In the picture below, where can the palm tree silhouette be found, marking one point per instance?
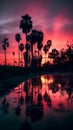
(4, 46)
(32, 38)
(28, 47)
(35, 37)
(39, 41)
(54, 55)
(49, 43)
(26, 25)
(18, 38)
(5, 105)
(47, 47)
(21, 47)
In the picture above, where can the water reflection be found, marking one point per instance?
(5, 105)
(37, 98)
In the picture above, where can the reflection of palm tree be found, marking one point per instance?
(45, 94)
(18, 38)
(18, 110)
(26, 126)
(5, 105)
(26, 89)
(39, 97)
(36, 112)
(21, 47)
(21, 99)
(47, 97)
(5, 45)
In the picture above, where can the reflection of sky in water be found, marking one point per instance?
(56, 102)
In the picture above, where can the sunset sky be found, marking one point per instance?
(53, 17)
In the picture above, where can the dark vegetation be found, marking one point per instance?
(12, 71)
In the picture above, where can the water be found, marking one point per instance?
(39, 103)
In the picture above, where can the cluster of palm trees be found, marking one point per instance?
(5, 45)
(34, 37)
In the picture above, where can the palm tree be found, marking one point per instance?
(54, 55)
(21, 47)
(18, 38)
(4, 46)
(35, 37)
(26, 24)
(32, 39)
(47, 47)
(28, 47)
(49, 43)
(39, 46)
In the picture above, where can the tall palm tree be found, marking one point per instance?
(32, 38)
(18, 38)
(26, 24)
(28, 47)
(39, 41)
(35, 37)
(21, 47)
(47, 47)
(4, 46)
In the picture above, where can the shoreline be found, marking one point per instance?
(7, 84)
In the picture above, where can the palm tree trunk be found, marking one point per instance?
(45, 58)
(26, 38)
(21, 59)
(38, 53)
(38, 57)
(27, 51)
(32, 51)
(18, 55)
(5, 58)
(13, 61)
